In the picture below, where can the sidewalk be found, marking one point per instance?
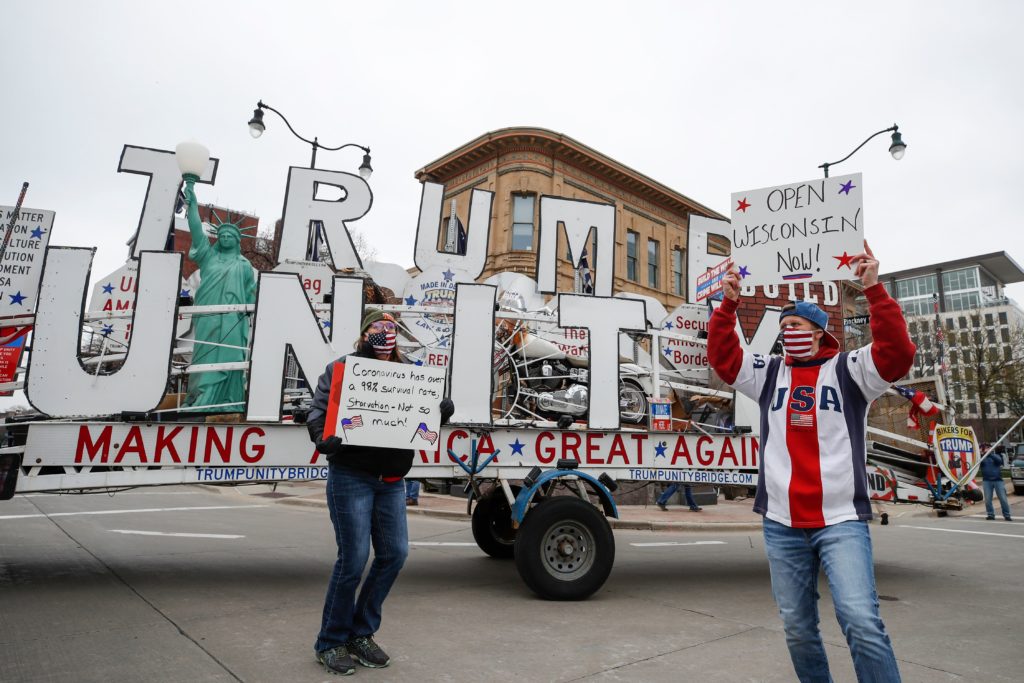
(727, 515)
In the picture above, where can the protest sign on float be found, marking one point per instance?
(383, 404)
(22, 262)
(710, 283)
(803, 232)
(957, 453)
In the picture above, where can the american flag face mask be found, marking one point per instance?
(384, 342)
(798, 343)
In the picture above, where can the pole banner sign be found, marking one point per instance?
(710, 283)
(383, 404)
(22, 262)
(803, 232)
(12, 343)
(661, 415)
(956, 452)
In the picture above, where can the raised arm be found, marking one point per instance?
(200, 242)
(724, 352)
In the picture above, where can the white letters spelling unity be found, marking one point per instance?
(58, 385)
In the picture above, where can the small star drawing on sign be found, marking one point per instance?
(443, 342)
(410, 300)
(37, 234)
(744, 272)
(659, 450)
(183, 294)
(107, 330)
(108, 288)
(326, 323)
(448, 275)
(17, 298)
(846, 187)
(419, 362)
(667, 352)
(844, 260)
(743, 205)
(517, 448)
(668, 326)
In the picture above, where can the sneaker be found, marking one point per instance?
(368, 653)
(411, 502)
(991, 517)
(696, 508)
(337, 660)
(1008, 519)
(663, 507)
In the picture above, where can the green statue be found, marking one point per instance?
(226, 277)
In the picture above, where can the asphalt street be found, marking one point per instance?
(183, 584)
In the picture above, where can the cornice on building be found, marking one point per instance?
(564, 149)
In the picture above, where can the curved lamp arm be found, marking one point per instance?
(893, 129)
(315, 143)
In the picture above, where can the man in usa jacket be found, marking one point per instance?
(812, 484)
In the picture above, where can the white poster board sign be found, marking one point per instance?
(22, 263)
(687, 356)
(803, 232)
(383, 404)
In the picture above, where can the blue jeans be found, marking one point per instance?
(412, 489)
(363, 509)
(844, 550)
(1000, 489)
(670, 491)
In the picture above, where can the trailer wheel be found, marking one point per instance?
(492, 525)
(564, 549)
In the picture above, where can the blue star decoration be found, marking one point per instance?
(517, 448)
(419, 362)
(108, 288)
(17, 298)
(37, 234)
(107, 330)
(326, 324)
(410, 300)
(846, 187)
(448, 275)
(667, 351)
(443, 342)
(184, 294)
(659, 450)
(668, 326)
(744, 272)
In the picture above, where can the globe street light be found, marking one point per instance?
(257, 126)
(897, 148)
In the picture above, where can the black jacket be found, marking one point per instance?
(383, 462)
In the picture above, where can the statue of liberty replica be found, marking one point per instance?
(226, 277)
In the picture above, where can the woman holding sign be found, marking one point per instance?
(366, 500)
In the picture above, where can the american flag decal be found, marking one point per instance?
(425, 433)
(351, 423)
(801, 419)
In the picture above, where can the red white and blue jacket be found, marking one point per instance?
(814, 414)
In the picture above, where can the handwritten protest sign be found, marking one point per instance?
(804, 232)
(383, 404)
(710, 283)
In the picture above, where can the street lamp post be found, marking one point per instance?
(256, 128)
(897, 148)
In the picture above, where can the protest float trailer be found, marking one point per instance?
(558, 396)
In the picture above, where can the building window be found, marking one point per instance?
(631, 247)
(963, 323)
(989, 320)
(653, 260)
(677, 271)
(972, 407)
(991, 336)
(1002, 318)
(522, 222)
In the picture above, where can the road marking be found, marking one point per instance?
(661, 544)
(110, 495)
(177, 534)
(127, 512)
(962, 531)
(451, 543)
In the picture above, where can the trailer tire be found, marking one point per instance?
(564, 549)
(492, 525)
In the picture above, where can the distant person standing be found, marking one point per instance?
(992, 480)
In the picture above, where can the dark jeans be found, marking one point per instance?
(672, 488)
(844, 551)
(412, 489)
(363, 509)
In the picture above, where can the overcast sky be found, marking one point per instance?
(707, 98)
